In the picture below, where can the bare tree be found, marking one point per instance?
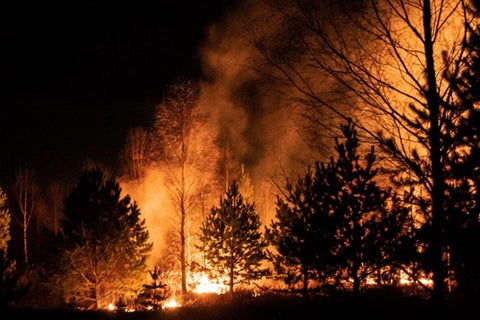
(187, 154)
(386, 61)
(26, 191)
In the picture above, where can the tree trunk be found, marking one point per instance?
(356, 284)
(182, 249)
(231, 281)
(183, 237)
(305, 283)
(97, 296)
(25, 246)
(439, 274)
(183, 218)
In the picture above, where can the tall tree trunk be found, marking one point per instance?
(439, 274)
(356, 283)
(25, 245)
(227, 166)
(231, 280)
(97, 296)
(183, 218)
(305, 282)
(182, 249)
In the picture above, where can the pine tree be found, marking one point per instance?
(106, 242)
(356, 209)
(302, 232)
(463, 179)
(336, 222)
(232, 241)
(380, 64)
(155, 292)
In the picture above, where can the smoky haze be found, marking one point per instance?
(247, 106)
(257, 119)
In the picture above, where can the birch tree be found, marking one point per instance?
(187, 155)
(26, 191)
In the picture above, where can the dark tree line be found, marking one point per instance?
(406, 72)
(335, 224)
(339, 224)
(463, 175)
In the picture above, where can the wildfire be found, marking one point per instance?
(405, 279)
(205, 285)
(172, 303)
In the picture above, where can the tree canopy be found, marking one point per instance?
(106, 241)
(232, 241)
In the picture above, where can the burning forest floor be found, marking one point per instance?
(371, 308)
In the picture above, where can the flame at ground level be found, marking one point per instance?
(172, 303)
(205, 285)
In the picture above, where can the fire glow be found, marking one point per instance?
(205, 285)
(172, 303)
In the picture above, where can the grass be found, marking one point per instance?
(281, 310)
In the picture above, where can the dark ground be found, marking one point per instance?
(283, 311)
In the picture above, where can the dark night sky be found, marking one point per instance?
(74, 79)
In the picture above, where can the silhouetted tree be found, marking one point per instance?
(395, 241)
(302, 232)
(463, 179)
(385, 58)
(106, 241)
(155, 292)
(356, 210)
(336, 222)
(232, 241)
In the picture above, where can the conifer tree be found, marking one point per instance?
(336, 222)
(302, 234)
(380, 63)
(106, 241)
(154, 292)
(232, 241)
(463, 179)
(356, 208)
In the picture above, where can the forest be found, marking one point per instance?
(341, 166)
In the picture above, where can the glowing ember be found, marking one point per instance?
(205, 285)
(171, 304)
(405, 279)
(111, 307)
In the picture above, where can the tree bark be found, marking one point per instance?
(439, 273)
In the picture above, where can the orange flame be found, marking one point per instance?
(206, 285)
